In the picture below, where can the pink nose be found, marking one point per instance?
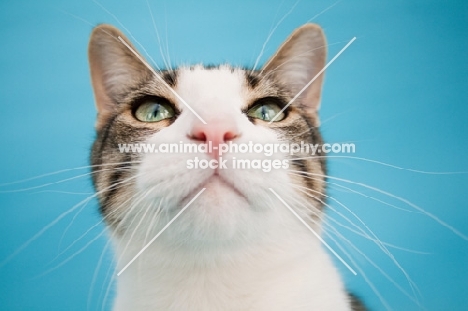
(217, 132)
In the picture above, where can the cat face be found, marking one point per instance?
(139, 192)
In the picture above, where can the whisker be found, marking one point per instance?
(361, 271)
(56, 220)
(271, 27)
(106, 216)
(109, 285)
(386, 164)
(377, 240)
(65, 171)
(47, 184)
(95, 274)
(365, 235)
(409, 203)
(69, 226)
(141, 218)
(166, 36)
(156, 214)
(157, 35)
(299, 188)
(168, 66)
(85, 246)
(323, 11)
(71, 257)
(369, 197)
(136, 228)
(353, 191)
(315, 233)
(337, 114)
(271, 34)
(76, 215)
(403, 291)
(115, 261)
(62, 192)
(38, 234)
(128, 32)
(359, 229)
(76, 240)
(350, 259)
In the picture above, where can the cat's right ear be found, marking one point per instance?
(299, 60)
(114, 69)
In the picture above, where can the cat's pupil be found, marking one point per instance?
(154, 113)
(265, 114)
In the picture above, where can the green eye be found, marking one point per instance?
(266, 111)
(154, 111)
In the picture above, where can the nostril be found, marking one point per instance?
(229, 136)
(198, 135)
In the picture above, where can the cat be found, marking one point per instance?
(236, 247)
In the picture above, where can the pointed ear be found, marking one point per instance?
(298, 61)
(114, 69)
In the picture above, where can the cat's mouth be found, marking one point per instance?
(216, 185)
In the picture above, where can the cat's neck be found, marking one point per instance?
(283, 273)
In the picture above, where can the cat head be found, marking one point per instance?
(140, 192)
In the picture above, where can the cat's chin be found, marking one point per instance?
(220, 214)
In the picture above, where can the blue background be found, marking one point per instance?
(399, 93)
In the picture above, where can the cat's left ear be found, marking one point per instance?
(298, 61)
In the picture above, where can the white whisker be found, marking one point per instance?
(409, 203)
(157, 36)
(72, 256)
(361, 271)
(77, 240)
(95, 274)
(56, 220)
(65, 171)
(403, 291)
(377, 240)
(126, 30)
(271, 34)
(323, 11)
(160, 232)
(315, 233)
(386, 164)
